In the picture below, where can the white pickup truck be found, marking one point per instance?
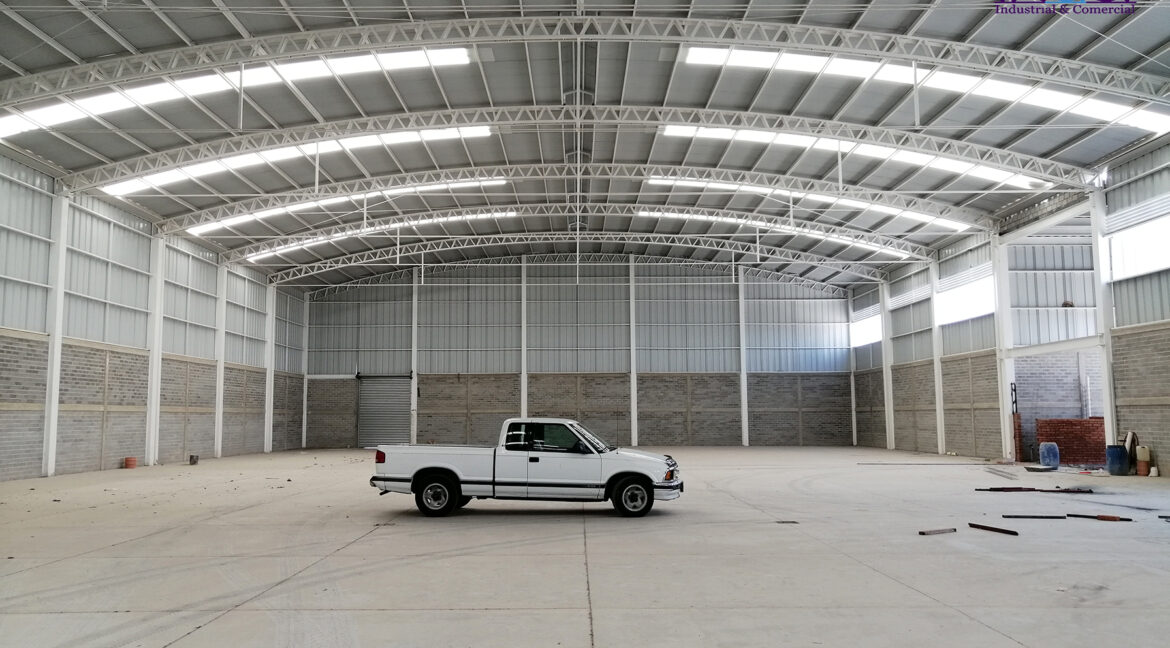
(537, 459)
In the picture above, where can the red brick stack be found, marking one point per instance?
(1081, 441)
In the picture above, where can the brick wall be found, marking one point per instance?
(333, 408)
(1141, 386)
(799, 409)
(688, 409)
(287, 402)
(971, 402)
(23, 362)
(601, 402)
(187, 417)
(914, 415)
(871, 408)
(243, 411)
(1056, 385)
(103, 408)
(465, 408)
(1081, 441)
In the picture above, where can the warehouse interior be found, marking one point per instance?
(235, 236)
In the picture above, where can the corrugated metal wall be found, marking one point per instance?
(578, 322)
(189, 297)
(1139, 190)
(107, 274)
(969, 335)
(1143, 299)
(246, 310)
(26, 206)
(1043, 278)
(1139, 180)
(290, 330)
(911, 331)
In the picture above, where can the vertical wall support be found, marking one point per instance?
(853, 392)
(936, 346)
(1004, 341)
(1102, 273)
(269, 363)
(743, 386)
(305, 376)
(220, 352)
(633, 354)
(523, 335)
(414, 278)
(154, 329)
(55, 322)
(887, 361)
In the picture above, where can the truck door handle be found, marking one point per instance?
(533, 459)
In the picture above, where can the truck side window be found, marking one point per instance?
(517, 437)
(554, 437)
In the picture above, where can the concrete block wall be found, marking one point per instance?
(243, 410)
(1056, 386)
(333, 412)
(914, 414)
(187, 417)
(799, 409)
(688, 409)
(1141, 387)
(23, 362)
(1081, 441)
(465, 408)
(871, 408)
(287, 410)
(102, 415)
(600, 401)
(971, 401)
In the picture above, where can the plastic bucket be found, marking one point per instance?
(1116, 460)
(130, 462)
(1049, 454)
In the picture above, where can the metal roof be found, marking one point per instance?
(327, 143)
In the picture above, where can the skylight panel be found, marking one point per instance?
(951, 81)
(789, 139)
(751, 59)
(1097, 109)
(127, 187)
(403, 60)
(276, 155)
(1154, 122)
(55, 114)
(856, 204)
(154, 93)
(761, 137)
(1050, 99)
(254, 77)
(706, 55)
(857, 68)
(318, 148)
(715, 133)
(673, 130)
(951, 166)
(303, 70)
(1002, 90)
(204, 168)
(965, 302)
(1140, 249)
(344, 65)
(433, 134)
(242, 161)
(801, 62)
(474, 131)
(830, 144)
(874, 151)
(201, 85)
(362, 141)
(897, 74)
(13, 124)
(449, 56)
(166, 177)
(988, 173)
(950, 224)
(104, 103)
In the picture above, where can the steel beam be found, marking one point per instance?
(55, 327)
(603, 171)
(269, 364)
(559, 117)
(1102, 273)
(887, 363)
(633, 306)
(220, 354)
(681, 31)
(1004, 341)
(402, 254)
(744, 432)
(154, 336)
(570, 210)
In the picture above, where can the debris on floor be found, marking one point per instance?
(1034, 517)
(991, 528)
(1029, 489)
(787, 522)
(937, 531)
(1103, 518)
(1040, 468)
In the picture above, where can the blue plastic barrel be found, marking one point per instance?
(1116, 460)
(1049, 454)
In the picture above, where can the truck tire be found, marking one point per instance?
(437, 495)
(633, 497)
(464, 501)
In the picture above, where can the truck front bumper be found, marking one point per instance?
(668, 490)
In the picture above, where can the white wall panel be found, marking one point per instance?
(969, 335)
(1143, 299)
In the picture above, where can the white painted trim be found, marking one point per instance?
(887, 362)
(269, 363)
(154, 341)
(743, 386)
(1105, 318)
(1075, 344)
(936, 345)
(220, 352)
(55, 324)
(305, 376)
(1004, 341)
(633, 354)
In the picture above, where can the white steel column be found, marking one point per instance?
(887, 361)
(154, 329)
(220, 352)
(1004, 340)
(524, 335)
(305, 376)
(633, 355)
(414, 355)
(55, 328)
(743, 387)
(1102, 274)
(269, 363)
(853, 392)
(936, 345)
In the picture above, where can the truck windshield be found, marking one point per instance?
(598, 445)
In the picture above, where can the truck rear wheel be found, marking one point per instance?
(436, 496)
(633, 497)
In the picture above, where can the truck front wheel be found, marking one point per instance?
(633, 497)
(436, 496)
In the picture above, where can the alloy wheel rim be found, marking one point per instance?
(634, 498)
(435, 496)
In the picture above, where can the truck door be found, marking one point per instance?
(561, 465)
(512, 462)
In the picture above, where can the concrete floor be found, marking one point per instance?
(295, 549)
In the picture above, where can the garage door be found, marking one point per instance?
(383, 411)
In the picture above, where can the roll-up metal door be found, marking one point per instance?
(383, 411)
